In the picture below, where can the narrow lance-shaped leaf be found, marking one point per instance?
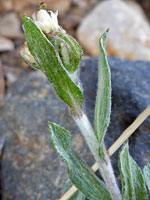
(146, 172)
(77, 195)
(103, 99)
(133, 186)
(81, 176)
(48, 60)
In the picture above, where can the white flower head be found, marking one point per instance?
(26, 55)
(46, 21)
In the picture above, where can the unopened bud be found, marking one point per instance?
(68, 48)
(27, 56)
(45, 21)
(56, 54)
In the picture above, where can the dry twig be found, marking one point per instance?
(2, 83)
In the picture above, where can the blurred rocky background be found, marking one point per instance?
(29, 166)
(86, 20)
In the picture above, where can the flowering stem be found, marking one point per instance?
(105, 166)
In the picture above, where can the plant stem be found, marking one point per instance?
(105, 166)
(108, 176)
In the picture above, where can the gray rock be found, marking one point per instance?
(129, 30)
(30, 169)
(130, 96)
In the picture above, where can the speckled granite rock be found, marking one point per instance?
(129, 30)
(30, 169)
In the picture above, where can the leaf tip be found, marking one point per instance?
(24, 17)
(102, 40)
(107, 30)
(25, 20)
(50, 124)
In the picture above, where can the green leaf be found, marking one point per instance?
(77, 195)
(103, 99)
(69, 50)
(133, 186)
(74, 51)
(47, 58)
(80, 175)
(146, 172)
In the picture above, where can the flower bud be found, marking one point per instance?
(68, 48)
(56, 54)
(27, 56)
(45, 21)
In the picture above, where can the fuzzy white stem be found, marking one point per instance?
(105, 166)
(87, 131)
(107, 173)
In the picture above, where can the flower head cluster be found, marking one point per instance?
(67, 47)
(50, 49)
(46, 21)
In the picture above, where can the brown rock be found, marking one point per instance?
(12, 74)
(129, 35)
(29, 6)
(10, 24)
(6, 44)
(14, 58)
